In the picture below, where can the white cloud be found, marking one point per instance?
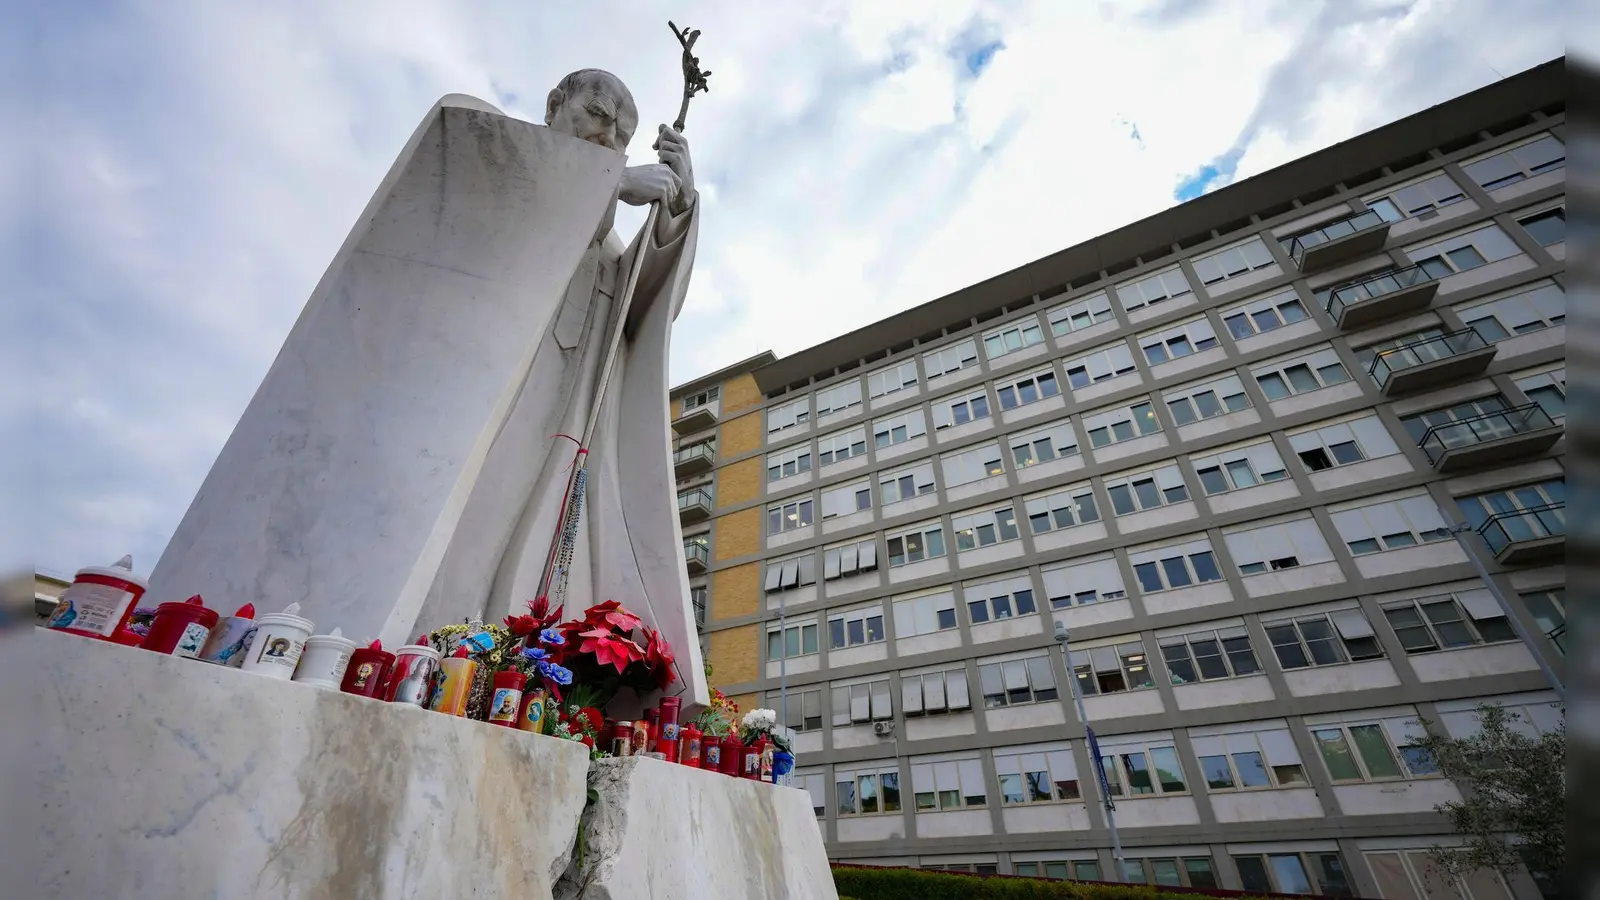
(204, 161)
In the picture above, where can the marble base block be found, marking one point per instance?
(169, 778)
(667, 832)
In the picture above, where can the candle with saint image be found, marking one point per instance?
(459, 670)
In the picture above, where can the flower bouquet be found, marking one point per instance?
(759, 723)
(608, 650)
(720, 718)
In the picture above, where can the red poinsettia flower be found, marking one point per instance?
(613, 614)
(521, 626)
(540, 608)
(659, 657)
(610, 649)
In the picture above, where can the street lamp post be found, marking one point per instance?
(1458, 532)
(1094, 754)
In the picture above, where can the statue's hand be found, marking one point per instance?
(674, 152)
(650, 184)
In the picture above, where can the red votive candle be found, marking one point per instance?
(367, 671)
(690, 753)
(652, 719)
(180, 629)
(507, 698)
(667, 741)
(732, 755)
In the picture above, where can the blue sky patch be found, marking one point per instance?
(1214, 174)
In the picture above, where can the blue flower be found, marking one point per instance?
(535, 654)
(559, 674)
(552, 636)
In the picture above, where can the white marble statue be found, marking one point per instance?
(401, 466)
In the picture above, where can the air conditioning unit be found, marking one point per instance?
(882, 729)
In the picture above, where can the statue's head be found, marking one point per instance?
(593, 105)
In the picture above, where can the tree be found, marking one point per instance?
(1513, 787)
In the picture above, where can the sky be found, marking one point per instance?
(191, 166)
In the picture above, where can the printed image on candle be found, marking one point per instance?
(277, 648)
(65, 614)
(505, 703)
(363, 675)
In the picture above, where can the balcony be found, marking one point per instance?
(696, 557)
(694, 460)
(1490, 438)
(1431, 362)
(694, 506)
(1527, 535)
(1339, 241)
(696, 419)
(1357, 304)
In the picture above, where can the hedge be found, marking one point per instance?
(873, 883)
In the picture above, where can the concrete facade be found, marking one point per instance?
(1210, 489)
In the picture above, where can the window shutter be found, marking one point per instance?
(841, 706)
(808, 570)
(1303, 442)
(1479, 604)
(774, 576)
(868, 555)
(1423, 513)
(1105, 659)
(1279, 747)
(1062, 765)
(922, 781)
(1007, 765)
(860, 711)
(905, 618)
(1352, 624)
(1351, 525)
(972, 777)
(1386, 518)
(1016, 675)
(1403, 730)
(847, 560)
(830, 564)
(881, 707)
(1373, 437)
(1168, 477)
(1033, 762)
(1210, 746)
(791, 574)
(1264, 458)
(947, 776)
(933, 691)
(1241, 743)
(911, 694)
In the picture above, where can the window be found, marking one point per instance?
(1039, 773)
(1190, 871)
(1242, 760)
(1448, 621)
(841, 445)
(1178, 566)
(1422, 199)
(1549, 609)
(959, 410)
(1192, 403)
(1108, 669)
(1119, 425)
(1463, 252)
(1099, 365)
(1531, 308)
(915, 544)
(1233, 262)
(1323, 639)
(903, 484)
(704, 398)
(1527, 510)
(1318, 872)
(789, 516)
(929, 692)
(789, 462)
(1240, 468)
(1407, 350)
(846, 499)
(815, 784)
(1282, 544)
(791, 641)
(802, 712)
(925, 613)
(1372, 750)
(791, 573)
(985, 528)
(1142, 768)
(1082, 869)
(1153, 289)
(1022, 390)
(1264, 315)
(971, 465)
(1083, 582)
(1194, 336)
(1012, 338)
(839, 398)
(856, 558)
(999, 598)
(1548, 227)
(697, 598)
(1391, 524)
(893, 430)
(789, 415)
(1301, 375)
(1146, 490)
(1068, 507)
(867, 789)
(1209, 655)
(940, 784)
(1013, 682)
(1485, 429)
(1080, 314)
(1342, 443)
(1543, 154)
(854, 704)
(951, 359)
(1549, 390)
(894, 378)
(1054, 441)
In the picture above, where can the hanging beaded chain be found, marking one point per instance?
(569, 537)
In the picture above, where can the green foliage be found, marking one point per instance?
(1513, 787)
(912, 884)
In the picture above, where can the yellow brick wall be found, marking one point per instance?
(734, 655)
(737, 534)
(740, 482)
(739, 436)
(735, 592)
(739, 393)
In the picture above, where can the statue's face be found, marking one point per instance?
(601, 112)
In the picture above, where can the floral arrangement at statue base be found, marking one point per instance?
(759, 728)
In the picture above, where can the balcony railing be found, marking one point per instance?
(1412, 365)
(694, 505)
(1457, 438)
(1303, 247)
(697, 418)
(1525, 534)
(694, 459)
(1350, 304)
(696, 556)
